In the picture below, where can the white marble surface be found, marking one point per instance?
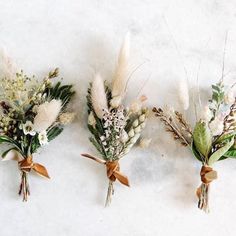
(81, 37)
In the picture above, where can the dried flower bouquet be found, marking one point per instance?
(213, 135)
(32, 113)
(114, 127)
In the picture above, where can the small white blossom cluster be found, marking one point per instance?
(216, 121)
(114, 124)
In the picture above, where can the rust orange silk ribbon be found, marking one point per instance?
(207, 176)
(113, 169)
(27, 165)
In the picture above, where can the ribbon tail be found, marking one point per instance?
(93, 158)
(41, 170)
(122, 178)
(198, 192)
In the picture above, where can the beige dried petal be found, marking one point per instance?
(66, 118)
(145, 142)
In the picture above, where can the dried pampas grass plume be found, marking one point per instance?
(47, 114)
(7, 68)
(183, 94)
(98, 96)
(121, 72)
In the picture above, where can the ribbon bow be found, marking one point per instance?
(113, 169)
(27, 165)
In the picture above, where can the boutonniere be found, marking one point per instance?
(212, 138)
(32, 113)
(115, 128)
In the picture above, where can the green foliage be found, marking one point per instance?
(217, 99)
(225, 137)
(202, 138)
(61, 92)
(197, 154)
(230, 154)
(220, 152)
(7, 151)
(12, 143)
(98, 146)
(54, 132)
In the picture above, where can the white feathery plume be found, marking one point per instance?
(121, 73)
(47, 114)
(98, 96)
(7, 68)
(184, 94)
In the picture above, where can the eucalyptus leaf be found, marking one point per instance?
(220, 152)
(202, 138)
(7, 151)
(225, 137)
(196, 153)
(230, 153)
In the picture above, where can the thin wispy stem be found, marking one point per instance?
(177, 48)
(224, 53)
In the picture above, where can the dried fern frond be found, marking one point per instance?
(171, 127)
(230, 121)
(184, 125)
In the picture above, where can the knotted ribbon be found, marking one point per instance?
(207, 176)
(113, 169)
(27, 164)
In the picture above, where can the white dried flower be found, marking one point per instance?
(184, 94)
(91, 119)
(28, 128)
(142, 125)
(42, 137)
(142, 118)
(98, 96)
(35, 108)
(135, 106)
(136, 123)
(229, 97)
(47, 114)
(121, 73)
(137, 129)
(131, 133)
(145, 142)
(115, 101)
(124, 137)
(216, 126)
(135, 138)
(206, 114)
(66, 118)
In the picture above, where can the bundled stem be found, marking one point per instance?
(24, 186)
(110, 192)
(203, 195)
(207, 176)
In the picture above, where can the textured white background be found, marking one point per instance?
(81, 37)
